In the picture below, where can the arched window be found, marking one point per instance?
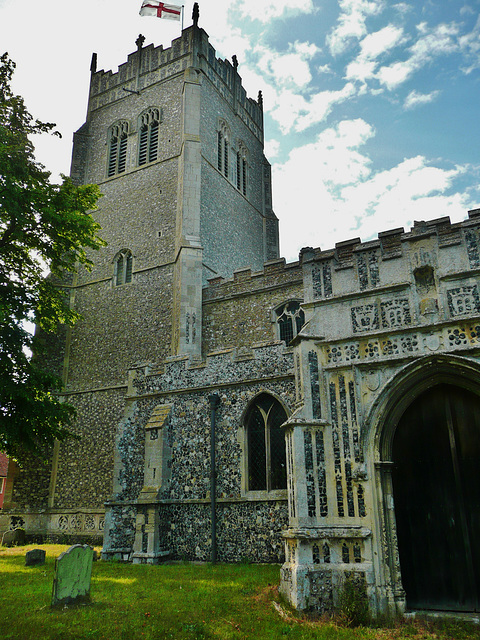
(266, 460)
(290, 319)
(148, 136)
(223, 149)
(242, 169)
(123, 267)
(117, 148)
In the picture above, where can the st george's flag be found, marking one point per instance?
(160, 10)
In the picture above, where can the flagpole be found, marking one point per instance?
(183, 9)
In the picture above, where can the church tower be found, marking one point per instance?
(176, 147)
(177, 150)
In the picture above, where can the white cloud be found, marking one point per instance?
(294, 112)
(416, 99)
(470, 46)
(433, 42)
(253, 82)
(324, 68)
(408, 181)
(307, 183)
(287, 108)
(351, 23)
(237, 43)
(265, 10)
(396, 74)
(410, 191)
(288, 74)
(350, 199)
(439, 40)
(306, 49)
(374, 44)
(271, 147)
(402, 7)
(287, 69)
(361, 70)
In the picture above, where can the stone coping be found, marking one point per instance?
(315, 533)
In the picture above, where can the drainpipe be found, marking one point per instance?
(214, 400)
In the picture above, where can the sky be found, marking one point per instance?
(371, 106)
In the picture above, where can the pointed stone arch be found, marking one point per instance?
(123, 267)
(380, 425)
(223, 148)
(263, 468)
(117, 147)
(409, 383)
(148, 135)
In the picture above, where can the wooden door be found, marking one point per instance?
(436, 481)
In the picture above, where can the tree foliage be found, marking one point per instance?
(45, 228)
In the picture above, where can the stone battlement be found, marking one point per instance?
(389, 245)
(220, 368)
(275, 272)
(150, 65)
(391, 242)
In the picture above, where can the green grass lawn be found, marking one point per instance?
(186, 601)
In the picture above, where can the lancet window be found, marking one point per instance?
(117, 148)
(241, 172)
(223, 143)
(123, 267)
(266, 458)
(148, 136)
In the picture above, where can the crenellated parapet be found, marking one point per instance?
(395, 259)
(275, 273)
(150, 65)
(228, 82)
(225, 367)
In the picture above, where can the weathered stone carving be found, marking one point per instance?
(365, 318)
(463, 300)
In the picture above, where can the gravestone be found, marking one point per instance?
(73, 572)
(13, 538)
(35, 557)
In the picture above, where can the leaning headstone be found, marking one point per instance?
(35, 557)
(73, 572)
(13, 538)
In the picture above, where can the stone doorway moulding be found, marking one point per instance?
(381, 423)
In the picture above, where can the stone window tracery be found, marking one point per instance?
(241, 169)
(117, 148)
(266, 456)
(123, 265)
(290, 318)
(223, 143)
(148, 136)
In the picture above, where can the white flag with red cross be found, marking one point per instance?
(160, 10)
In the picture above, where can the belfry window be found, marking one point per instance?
(123, 267)
(223, 150)
(290, 319)
(266, 459)
(148, 136)
(117, 149)
(241, 182)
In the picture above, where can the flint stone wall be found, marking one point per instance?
(240, 312)
(248, 527)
